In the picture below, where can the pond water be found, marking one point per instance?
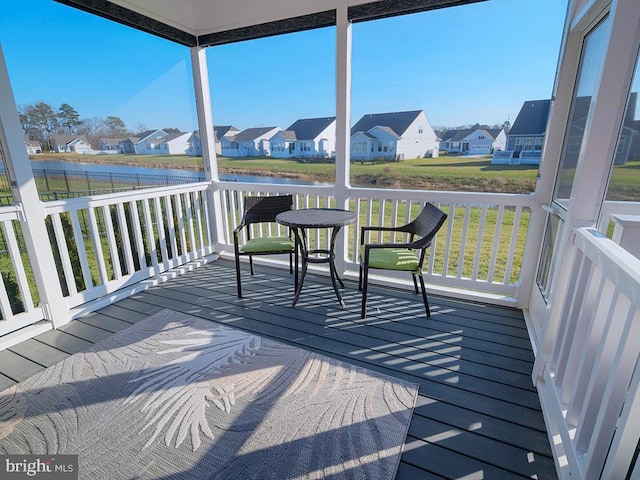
(133, 170)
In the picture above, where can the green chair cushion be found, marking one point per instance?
(268, 244)
(392, 259)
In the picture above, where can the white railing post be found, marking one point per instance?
(343, 131)
(25, 193)
(207, 141)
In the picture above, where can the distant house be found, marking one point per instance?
(526, 137)
(306, 138)
(473, 141)
(629, 140)
(70, 143)
(144, 143)
(32, 146)
(195, 143)
(173, 144)
(110, 145)
(393, 136)
(252, 142)
(221, 132)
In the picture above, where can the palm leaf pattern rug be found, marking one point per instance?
(175, 396)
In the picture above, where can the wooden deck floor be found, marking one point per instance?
(477, 415)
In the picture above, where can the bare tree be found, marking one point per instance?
(92, 129)
(40, 117)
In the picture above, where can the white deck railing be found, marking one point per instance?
(480, 248)
(589, 378)
(106, 242)
(16, 295)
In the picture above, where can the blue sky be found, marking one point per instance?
(462, 65)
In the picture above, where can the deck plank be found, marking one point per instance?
(477, 414)
(6, 382)
(105, 322)
(39, 352)
(63, 341)
(16, 367)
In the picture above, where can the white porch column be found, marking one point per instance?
(207, 140)
(25, 193)
(343, 122)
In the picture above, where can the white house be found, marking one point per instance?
(195, 143)
(110, 145)
(393, 136)
(144, 143)
(474, 141)
(252, 142)
(32, 146)
(220, 132)
(306, 138)
(173, 144)
(70, 143)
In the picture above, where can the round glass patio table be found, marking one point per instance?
(300, 221)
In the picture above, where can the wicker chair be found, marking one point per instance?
(407, 256)
(263, 209)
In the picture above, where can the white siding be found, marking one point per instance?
(419, 140)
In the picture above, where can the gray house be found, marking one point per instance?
(526, 137)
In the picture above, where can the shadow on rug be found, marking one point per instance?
(175, 396)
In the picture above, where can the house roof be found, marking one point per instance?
(310, 128)
(147, 133)
(455, 135)
(384, 128)
(250, 134)
(29, 141)
(222, 130)
(111, 141)
(66, 139)
(287, 135)
(396, 121)
(494, 132)
(172, 136)
(532, 119)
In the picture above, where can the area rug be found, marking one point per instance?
(175, 396)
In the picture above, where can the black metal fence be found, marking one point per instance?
(61, 184)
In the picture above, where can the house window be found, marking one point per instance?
(538, 143)
(420, 129)
(627, 158)
(528, 143)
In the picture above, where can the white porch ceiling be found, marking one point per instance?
(210, 22)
